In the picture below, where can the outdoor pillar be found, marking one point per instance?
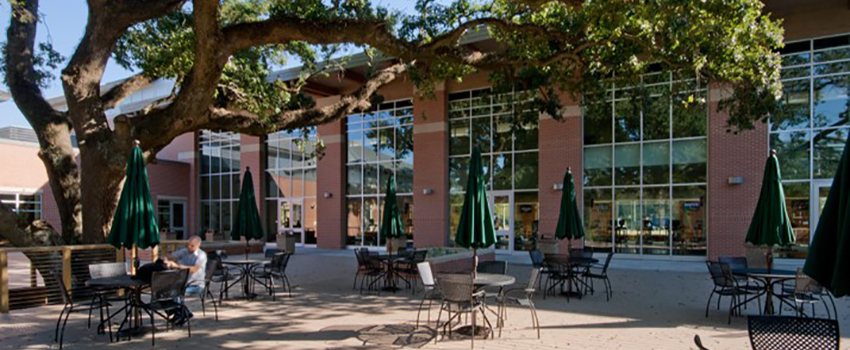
(431, 169)
(730, 155)
(560, 143)
(330, 183)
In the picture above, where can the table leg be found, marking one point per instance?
(768, 302)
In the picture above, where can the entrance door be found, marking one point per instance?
(502, 204)
(820, 190)
(178, 219)
(291, 218)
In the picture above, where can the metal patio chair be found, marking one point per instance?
(787, 332)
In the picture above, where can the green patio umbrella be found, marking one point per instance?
(247, 221)
(828, 261)
(134, 224)
(391, 226)
(771, 225)
(569, 222)
(475, 229)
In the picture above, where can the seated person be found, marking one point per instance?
(193, 259)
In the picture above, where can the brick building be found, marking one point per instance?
(656, 182)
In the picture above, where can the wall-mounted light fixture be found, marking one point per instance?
(328, 195)
(736, 180)
(559, 186)
(428, 191)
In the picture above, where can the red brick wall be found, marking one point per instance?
(330, 178)
(560, 148)
(250, 156)
(430, 171)
(171, 179)
(730, 207)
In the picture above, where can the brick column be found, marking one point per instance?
(250, 156)
(731, 207)
(431, 169)
(330, 179)
(194, 204)
(560, 145)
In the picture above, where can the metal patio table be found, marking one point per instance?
(134, 303)
(570, 264)
(768, 277)
(247, 277)
(390, 276)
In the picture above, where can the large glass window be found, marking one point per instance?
(380, 144)
(645, 168)
(26, 205)
(220, 166)
(810, 131)
(291, 184)
(509, 152)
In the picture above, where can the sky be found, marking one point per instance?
(65, 23)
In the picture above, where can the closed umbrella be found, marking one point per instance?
(475, 229)
(771, 225)
(247, 222)
(391, 226)
(569, 222)
(828, 261)
(134, 224)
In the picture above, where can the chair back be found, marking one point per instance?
(216, 259)
(787, 332)
(497, 267)
(419, 256)
(284, 262)
(272, 252)
(169, 284)
(63, 289)
(371, 262)
(425, 274)
(532, 281)
(721, 274)
(107, 270)
(803, 284)
(580, 253)
(403, 251)
(211, 268)
(277, 261)
(557, 264)
(456, 288)
(536, 257)
(607, 263)
(735, 262)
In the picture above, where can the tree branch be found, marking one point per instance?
(124, 89)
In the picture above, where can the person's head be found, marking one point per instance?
(193, 244)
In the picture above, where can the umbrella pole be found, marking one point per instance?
(247, 248)
(474, 263)
(769, 258)
(134, 256)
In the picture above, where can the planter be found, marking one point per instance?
(393, 244)
(549, 246)
(209, 236)
(286, 243)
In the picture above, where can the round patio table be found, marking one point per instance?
(390, 275)
(769, 277)
(571, 262)
(247, 277)
(132, 307)
(492, 280)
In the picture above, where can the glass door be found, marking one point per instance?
(178, 219)
(291, 218)
(820, 191)
(502, 204)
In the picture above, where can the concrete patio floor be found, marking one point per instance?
(651, 309)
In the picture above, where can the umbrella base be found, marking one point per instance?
(481, 332)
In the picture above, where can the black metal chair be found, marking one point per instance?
(523, 300)
(409, 267)
(459, 298)
(431, 292)
(537, 262)
(725, 285)
(806, 291)
(373, 272)
(73, 307)
(209, 273)
(590, 275)
(168, 289)
(276, 270)
(361, 266)
(786, 332)
(104, 297)
(222, 274)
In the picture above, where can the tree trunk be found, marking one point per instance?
(57, 154)
(101, 179)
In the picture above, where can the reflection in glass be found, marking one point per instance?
(502, 171)
(455, 208)
(656, 119)
(597, 166)
(627, 164)
(502, 133)
(405, 206)
(526, 216)
(459, 137)
(792, 149)
(525, 175)
(370, 179)
(794, 113)
(597, 123)
(828, 147)
(371, 220)
(481, 133)
(689, 120)
(689, 220)
(354, 228)
(502, 220)
(798, 205)
(597, 219)
(656, 220)
(526, 136)
(626, 122)
(831, 101)
(627, 223)
(656, 163)
(458, 174)
(404, 177)
(689, 161)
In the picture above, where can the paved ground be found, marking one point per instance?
(651, 309)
